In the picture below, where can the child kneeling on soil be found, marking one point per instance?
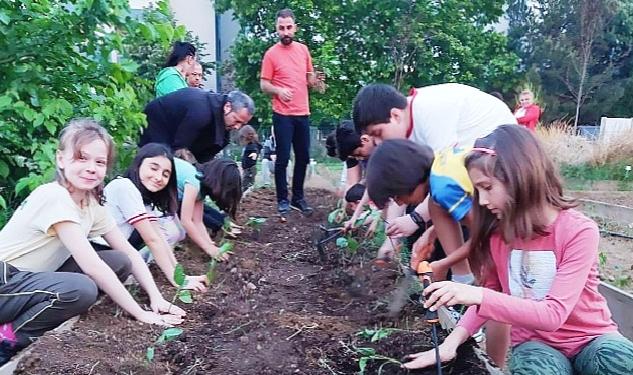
(220, 180)
(537, 258)
(49, 272)
(144, 203)
(406, 172)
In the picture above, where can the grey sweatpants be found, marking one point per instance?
(36, 302)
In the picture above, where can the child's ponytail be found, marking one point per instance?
(222, 182)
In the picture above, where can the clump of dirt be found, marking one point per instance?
(275, 308)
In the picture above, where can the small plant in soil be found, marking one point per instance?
(256, 223)
(374, 335)
(168, 334)
(338, 215)
(181, 280)
(225, 248)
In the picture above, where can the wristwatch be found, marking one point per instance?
(417, 218)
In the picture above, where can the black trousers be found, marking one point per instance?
(291, 131)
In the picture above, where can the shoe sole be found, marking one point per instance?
(305, 213)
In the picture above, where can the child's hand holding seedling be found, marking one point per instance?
(196, 283)
(217, 253)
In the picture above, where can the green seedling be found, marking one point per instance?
(180, 279)
(256, 223)
(349, 243)
(169, 334)
(623, 281)
(375, 335)
(370, 354)
(602, 258)
(225, 248)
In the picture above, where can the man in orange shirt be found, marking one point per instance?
(286, 74)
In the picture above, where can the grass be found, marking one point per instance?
(583, 162)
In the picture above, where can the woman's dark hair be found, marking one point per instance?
(396, 168)
(166, 199)
(179, 52)
(221, 180)
(514, 156)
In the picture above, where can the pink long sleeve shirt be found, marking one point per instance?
(547, 288)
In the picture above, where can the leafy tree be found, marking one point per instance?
(579, 52)
(64, 59)
(403, 42)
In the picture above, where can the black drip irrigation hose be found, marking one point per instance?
(616, 234)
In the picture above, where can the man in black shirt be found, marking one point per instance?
(196, 120)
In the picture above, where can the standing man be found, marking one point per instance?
(286, 74)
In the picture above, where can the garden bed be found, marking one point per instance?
(275, 308)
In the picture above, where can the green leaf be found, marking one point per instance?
(3, 203)
(179, 275)
(352, 244)
(211, 271)
(22, 183)
(5, 101)
(333, 216)
(368, 352)
(602, 258)
(172, 333)
(4, 169)
(226, 247)
(362, 364)
(185, 296)
(380, 334)
(342, 242)
(150, 354)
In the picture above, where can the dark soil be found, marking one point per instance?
(275, 308)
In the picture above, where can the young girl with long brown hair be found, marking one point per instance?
(536, 257)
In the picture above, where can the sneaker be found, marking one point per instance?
(283, 207)
(302, 206)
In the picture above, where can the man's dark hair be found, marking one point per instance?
(355, 193)
(373, 104)
(286, 13)
(179, 52)
(396, 168)
(166, 199)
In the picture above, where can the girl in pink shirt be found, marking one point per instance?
(537, 262)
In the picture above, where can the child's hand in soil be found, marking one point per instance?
(426, 359)
(450, 293)
(402, 226)
(214, 252)
(196, 283)
(387, 250)
(371, 230)
(164, 320)
(162, 306)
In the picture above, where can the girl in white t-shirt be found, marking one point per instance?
(48, 269)
(144, 203)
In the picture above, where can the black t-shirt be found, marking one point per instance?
(249, 149)
(351, 162)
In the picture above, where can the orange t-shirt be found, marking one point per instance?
(288, 66)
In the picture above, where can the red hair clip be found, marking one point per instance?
(485, 150)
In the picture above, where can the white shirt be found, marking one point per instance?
(455, 115)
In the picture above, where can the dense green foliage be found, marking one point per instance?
(566, 45)
(406, 43)
(65, 59)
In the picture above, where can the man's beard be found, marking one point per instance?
(286, 40)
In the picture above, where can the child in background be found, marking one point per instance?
(269, 154)
(49, 272)
(144, 204)
(527, 113)
(252, 148)
(220, 180)
(537, 259)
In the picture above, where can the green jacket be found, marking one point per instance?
(169, 80)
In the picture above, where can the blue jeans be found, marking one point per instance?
(291, 131)
(609, 354)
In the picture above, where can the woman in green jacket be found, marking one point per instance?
(179, 63)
